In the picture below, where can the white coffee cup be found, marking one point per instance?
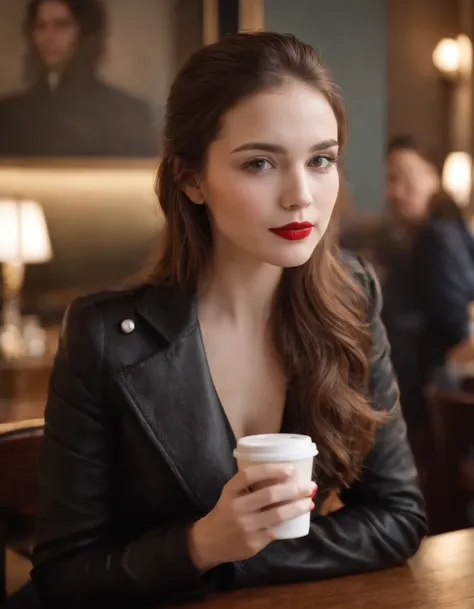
(288, 449)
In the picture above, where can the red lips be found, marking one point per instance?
(294, 231)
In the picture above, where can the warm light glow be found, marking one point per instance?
(446, 56)
(453, 57)
(43, 182)
(457, 177)
(94, 202)
(465, 55)
(23, 232)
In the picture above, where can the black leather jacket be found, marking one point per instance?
(137, 447)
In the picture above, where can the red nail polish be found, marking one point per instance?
(314, 492)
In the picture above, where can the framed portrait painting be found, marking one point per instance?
(89, 78)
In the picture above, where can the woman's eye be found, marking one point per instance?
(323, 161)
(257, 165)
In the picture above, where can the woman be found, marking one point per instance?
(251, 322)
(412, 182)
(443, 262)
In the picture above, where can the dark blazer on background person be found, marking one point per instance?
(443, 263)
(82, 117)
(137, 447)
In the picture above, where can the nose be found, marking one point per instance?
(297, 193)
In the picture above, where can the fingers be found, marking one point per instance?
(267, 472)
(276, 493)
(281, 513)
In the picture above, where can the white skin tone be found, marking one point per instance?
(411, 183)
(273, 163)
(55, 35)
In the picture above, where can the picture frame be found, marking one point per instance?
(84, 85)
(122, 117)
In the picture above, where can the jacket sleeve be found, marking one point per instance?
(440, 272)
(383, 519)
(75, 562)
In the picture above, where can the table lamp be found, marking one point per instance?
(24, 239)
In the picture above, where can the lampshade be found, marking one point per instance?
(23, 232)
(457, 177)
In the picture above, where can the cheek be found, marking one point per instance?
(327, 194)
(428, 187)
(238, 198)
(37, 38)
(398, 189)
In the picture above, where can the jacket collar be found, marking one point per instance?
(173, 313)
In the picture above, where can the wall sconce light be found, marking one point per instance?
(457, 177)
(453, 57)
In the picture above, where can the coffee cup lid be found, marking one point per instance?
(275, 447)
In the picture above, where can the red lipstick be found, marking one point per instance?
(295, 231)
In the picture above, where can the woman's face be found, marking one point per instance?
(411, 183)
(274, 163)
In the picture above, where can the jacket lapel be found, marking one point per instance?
(174, 398)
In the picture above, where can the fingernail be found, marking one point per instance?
(312, 506)
(314, 491)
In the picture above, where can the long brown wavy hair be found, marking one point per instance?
(319, 314)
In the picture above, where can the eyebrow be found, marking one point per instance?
(277, 149)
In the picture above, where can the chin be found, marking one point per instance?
(291, 264)
(296, 256)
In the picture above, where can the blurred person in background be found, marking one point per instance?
(443, 271)
(443, 266)
(66, 109)
(411, 183)
(424, 253)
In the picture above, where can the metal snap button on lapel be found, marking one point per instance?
(127, 326)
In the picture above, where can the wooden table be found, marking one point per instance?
(441, 576)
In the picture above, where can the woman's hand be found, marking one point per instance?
(252, 502)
